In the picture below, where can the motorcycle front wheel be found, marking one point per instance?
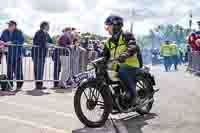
(89, 97)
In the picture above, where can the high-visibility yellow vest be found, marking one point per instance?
(174, 50)
(165, 50)
(117, 50)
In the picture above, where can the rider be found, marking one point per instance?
(122, 47)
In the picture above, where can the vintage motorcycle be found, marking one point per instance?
(97, 89)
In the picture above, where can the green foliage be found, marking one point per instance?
(28, 39)
(55, 39)
(92, 36)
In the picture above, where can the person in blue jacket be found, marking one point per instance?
(12, 35)
(39, 52)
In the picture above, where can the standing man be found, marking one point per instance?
(65, 41)
(188, 55)
(193, 41)
(181, 56)
(12, 35)
(76, 55)
(1, 50)
(57, 65)
(193, 37)
(165, 52)
(84, 54)
(174, 55)
(39, 52)
(188, 58)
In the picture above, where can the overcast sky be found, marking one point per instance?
(89, 15)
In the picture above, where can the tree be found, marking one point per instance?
(28, 39)
(55, 39)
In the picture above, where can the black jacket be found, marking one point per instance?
(41, 40)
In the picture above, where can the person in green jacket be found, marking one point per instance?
(174, 55)
(165, 52)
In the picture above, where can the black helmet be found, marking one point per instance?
(114, 20)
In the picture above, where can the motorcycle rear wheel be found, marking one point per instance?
(147, 94)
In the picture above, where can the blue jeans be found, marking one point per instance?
(39, 63)
(128, 76)
(175, 61)
(14, 66)
(57, 69)
(167, 62)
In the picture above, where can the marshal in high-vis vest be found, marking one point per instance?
(165, 52)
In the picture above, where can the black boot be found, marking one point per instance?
(176, 68)
(56, 84)
(19, 86)
(131, 99)
(39, 86)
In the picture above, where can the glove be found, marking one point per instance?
(122, 58)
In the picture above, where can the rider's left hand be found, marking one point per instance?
(122, 58)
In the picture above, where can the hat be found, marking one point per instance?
(11, 22)
(66, 29)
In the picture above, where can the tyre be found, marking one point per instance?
(92, 101)
(144, 91)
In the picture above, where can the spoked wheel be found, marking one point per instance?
(144, 95)
(92, 104)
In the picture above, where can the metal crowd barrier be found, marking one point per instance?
(194, 62)
(19, 63)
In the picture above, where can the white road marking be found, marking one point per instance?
(38, 109)
(33, 124)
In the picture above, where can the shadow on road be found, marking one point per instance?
(130, 124)
(7, 93)
(37, 93)
(61, 90)
(134, 124)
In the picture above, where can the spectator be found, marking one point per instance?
(85, 43)
(98, 49)
(165, 52)
(187, 54)
(57, 66)
(91, 51)
(1, 50)
(13, 35)
(181, 61)
(39, 52)
(84, 54)
(193, 41)
(75, 55)
(174, 55)
(195, 35)
(65, 41)
(188, 57)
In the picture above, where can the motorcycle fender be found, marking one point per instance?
(102, 84)
(150, 78)
(82, 82)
